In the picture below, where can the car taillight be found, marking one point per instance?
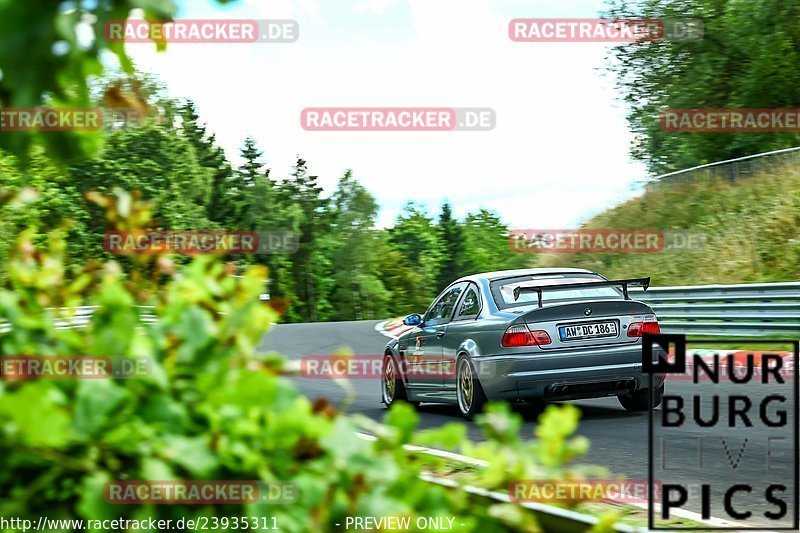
(520, 335)
(650, 325)
(541, 337)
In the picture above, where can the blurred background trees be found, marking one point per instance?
(748, 57)
(345, 268)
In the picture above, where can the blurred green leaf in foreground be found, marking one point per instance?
(211, 409)
(49, 54)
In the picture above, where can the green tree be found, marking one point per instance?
(417, 240)
(452, 247)
(221, 206)
(310, 263)
(270, 207)
(53, 197)
(157, 161)
(358, 293)
(240, 191)
(486, 245)
(400, 279)
(748, 57)
(253, 166)
(150, 157)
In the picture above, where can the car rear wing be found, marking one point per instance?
(624, 283)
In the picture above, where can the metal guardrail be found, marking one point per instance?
(732, 169)
(78, 317)
(726, 310)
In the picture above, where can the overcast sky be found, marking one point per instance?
(559, 151)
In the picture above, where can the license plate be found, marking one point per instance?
(591, 330)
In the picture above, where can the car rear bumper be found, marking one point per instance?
(568, 374)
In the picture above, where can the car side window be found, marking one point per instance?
(470, 306)
(442, 309)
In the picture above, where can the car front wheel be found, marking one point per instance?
(640, 400)
(392, 386)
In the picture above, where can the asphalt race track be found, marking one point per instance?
(619, 439)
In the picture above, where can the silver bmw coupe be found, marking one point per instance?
(525, 335)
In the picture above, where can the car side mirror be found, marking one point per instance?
(412, 320)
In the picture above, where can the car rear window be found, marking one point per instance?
(503, 290)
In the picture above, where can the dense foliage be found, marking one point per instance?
(748, 58)
(344, 268)
(212, 408)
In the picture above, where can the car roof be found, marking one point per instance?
(500, 274)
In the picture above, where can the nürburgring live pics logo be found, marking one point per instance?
(725, 441)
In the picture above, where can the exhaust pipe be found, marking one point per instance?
(623, 386)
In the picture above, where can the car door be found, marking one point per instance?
(425, 356)
(459, 328)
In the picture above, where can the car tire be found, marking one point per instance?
(640, 400)
(469, 393)
(392, 386)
